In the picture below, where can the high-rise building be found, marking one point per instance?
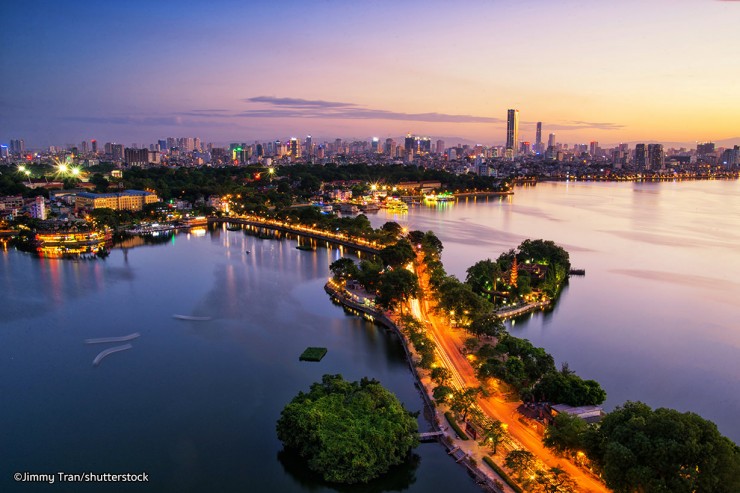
(94, 146)
(136, 157)
(551, 140)
(17, 146)
(705, 148)
(512, 130)
(409, 144)
(295, 148)
(308, 144)
(538, 139)
(38, 209)
(593, 148)
(526, 148)
(389, 147)
(375, 145)
(116, 152)
(656, 157)
(640, 156)
(440, 147)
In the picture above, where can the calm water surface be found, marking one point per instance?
(193, 404)
(656, 316)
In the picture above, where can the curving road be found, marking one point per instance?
(449, 344)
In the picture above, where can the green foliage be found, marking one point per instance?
(566, 434)
(369, 275)
(520, 461)
(492, 433)
(455, 426)
(349, 432)
(397, 255)
(423, 345)
(396, 286)
(516, 361)
(442, 393)
(483, 277)
(441, 375)
(344, 268)
(569, 389)
(641, 449)
(457, 297)
(462, 401)
(503, 474)
(487, 324)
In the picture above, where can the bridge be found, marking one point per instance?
(430, 436)
(342, 239)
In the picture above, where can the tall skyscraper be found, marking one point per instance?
(94, 145)
(295, 148)
(593, 148)
(551, 140)
(309, 145)
(440, 147)
(512, 131)
(656, 157)
(640, 156)
(538, 139)
(409, 144)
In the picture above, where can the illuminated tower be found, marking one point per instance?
(514, 273)
(538, 139)
(94, 145)
(640, 156)
(308, 143)
(512, 131)
(295, 148)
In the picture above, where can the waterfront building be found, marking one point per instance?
(38, 208)
(655, 157)
(512, 131)
(640, 156)
(132, 200)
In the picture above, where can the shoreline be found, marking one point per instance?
(485, 481)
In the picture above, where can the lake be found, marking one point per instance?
(655, 318)
(193, 403)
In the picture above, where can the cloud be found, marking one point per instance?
(154, 121)
(305, 108)
(298, 102)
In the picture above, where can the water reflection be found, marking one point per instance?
(398, 478)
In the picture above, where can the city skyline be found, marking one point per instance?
(133, 72)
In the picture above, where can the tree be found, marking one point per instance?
(101, 184)
(566, 434)
(483, 277)
(493, 433)
(344, 268)
(396, 286)
(397, 255)
(555, 480)
(442, 393)
(569, 389)
(431, 245)
(392, 228)
(641, 449)
(441, 375)
(349, 432)
(369, 275)
(519, 461)
(459, 299)
(462, 401)
(489, 324)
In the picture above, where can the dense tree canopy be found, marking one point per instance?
(663, 450)
(349, 432)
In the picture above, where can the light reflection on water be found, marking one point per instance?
(655, 317)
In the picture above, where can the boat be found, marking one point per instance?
(191, 318)
(247, 251)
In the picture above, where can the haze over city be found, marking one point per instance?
(607, 71)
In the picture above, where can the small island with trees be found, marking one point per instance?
(349, 432)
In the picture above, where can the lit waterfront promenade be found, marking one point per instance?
(299, 229)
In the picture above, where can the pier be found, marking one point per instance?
(105, 340)
(112, 350)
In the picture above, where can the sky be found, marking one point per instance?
(240, 71)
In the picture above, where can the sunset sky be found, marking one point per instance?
(225, 71)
